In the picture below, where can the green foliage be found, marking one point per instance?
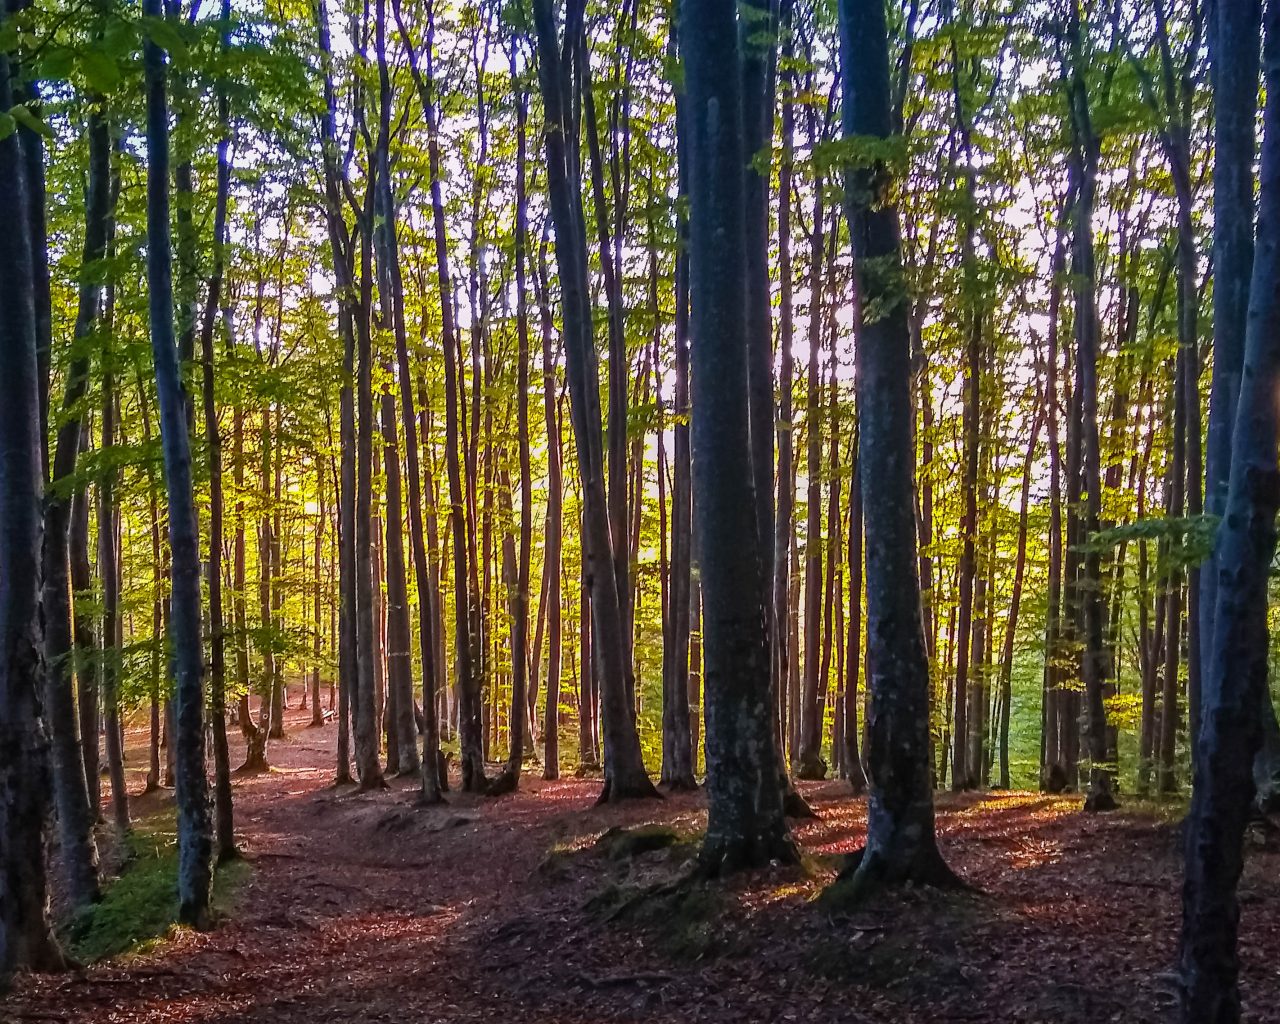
(140, 907)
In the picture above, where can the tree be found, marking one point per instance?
(194, 840)
(625, 774)
(746, 826)
(26, 938)
(1236, 683)
(901, 845)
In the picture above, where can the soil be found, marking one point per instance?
(364, 907)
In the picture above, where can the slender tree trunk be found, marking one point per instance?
(194, 833)
(71, 793)
(224, 822)
(1092, 599)
(853, 643)
(88, 653)
(625, 774)
(810, 762)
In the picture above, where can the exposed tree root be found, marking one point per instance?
(637, 786)
(687, 784)
(721, 856)
(812, 768)
(506, 781)
(1100, 801)
(865, 875)
(796, 806)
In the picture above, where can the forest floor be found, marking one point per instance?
(365, 908)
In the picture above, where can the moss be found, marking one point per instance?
(140, 907)
(624, 843)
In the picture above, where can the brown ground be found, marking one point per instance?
(364, 908)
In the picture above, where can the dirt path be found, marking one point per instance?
(364, 908)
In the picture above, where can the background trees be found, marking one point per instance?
(397, 227)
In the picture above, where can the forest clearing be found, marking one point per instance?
(359, 908)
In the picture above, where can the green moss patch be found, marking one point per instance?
(140, 907)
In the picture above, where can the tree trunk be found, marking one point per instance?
(26, 938)
(853, 769)
(224, 825)
(1235, 685)
(625, 774)
(339, 244)
(810, 762)
(901, 844)
(71, 793)
(194, 834)
(746, 826)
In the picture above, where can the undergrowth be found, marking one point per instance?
(139, 907)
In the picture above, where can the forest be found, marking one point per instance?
(676, 510)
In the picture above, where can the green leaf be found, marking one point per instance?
(165, 35)
(100, 70)
(7, 126)
(32, 122)
(57, 63)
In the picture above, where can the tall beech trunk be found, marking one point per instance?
(194, 833)
(1237, 681)
(340, 245)
(1234, 59)
(88, 653)
(1052, 771)
(625, 774)
(679, 746)
(26, 938)
(109, 571)
(901, 844)
(317, 598)
(553, 533)
(783, 652)
(401, 724)
(224, 822)
(519, 573)
(1015, 601)
(810, 764)
(429, 650)
(746, 826)
(619, 367)
(71, 793)
(1091, 597)
(467, 682)
(852, 758)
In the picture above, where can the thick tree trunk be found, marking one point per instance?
(746, 826)
(1235, 685)
(901, 844)
(26, 939)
